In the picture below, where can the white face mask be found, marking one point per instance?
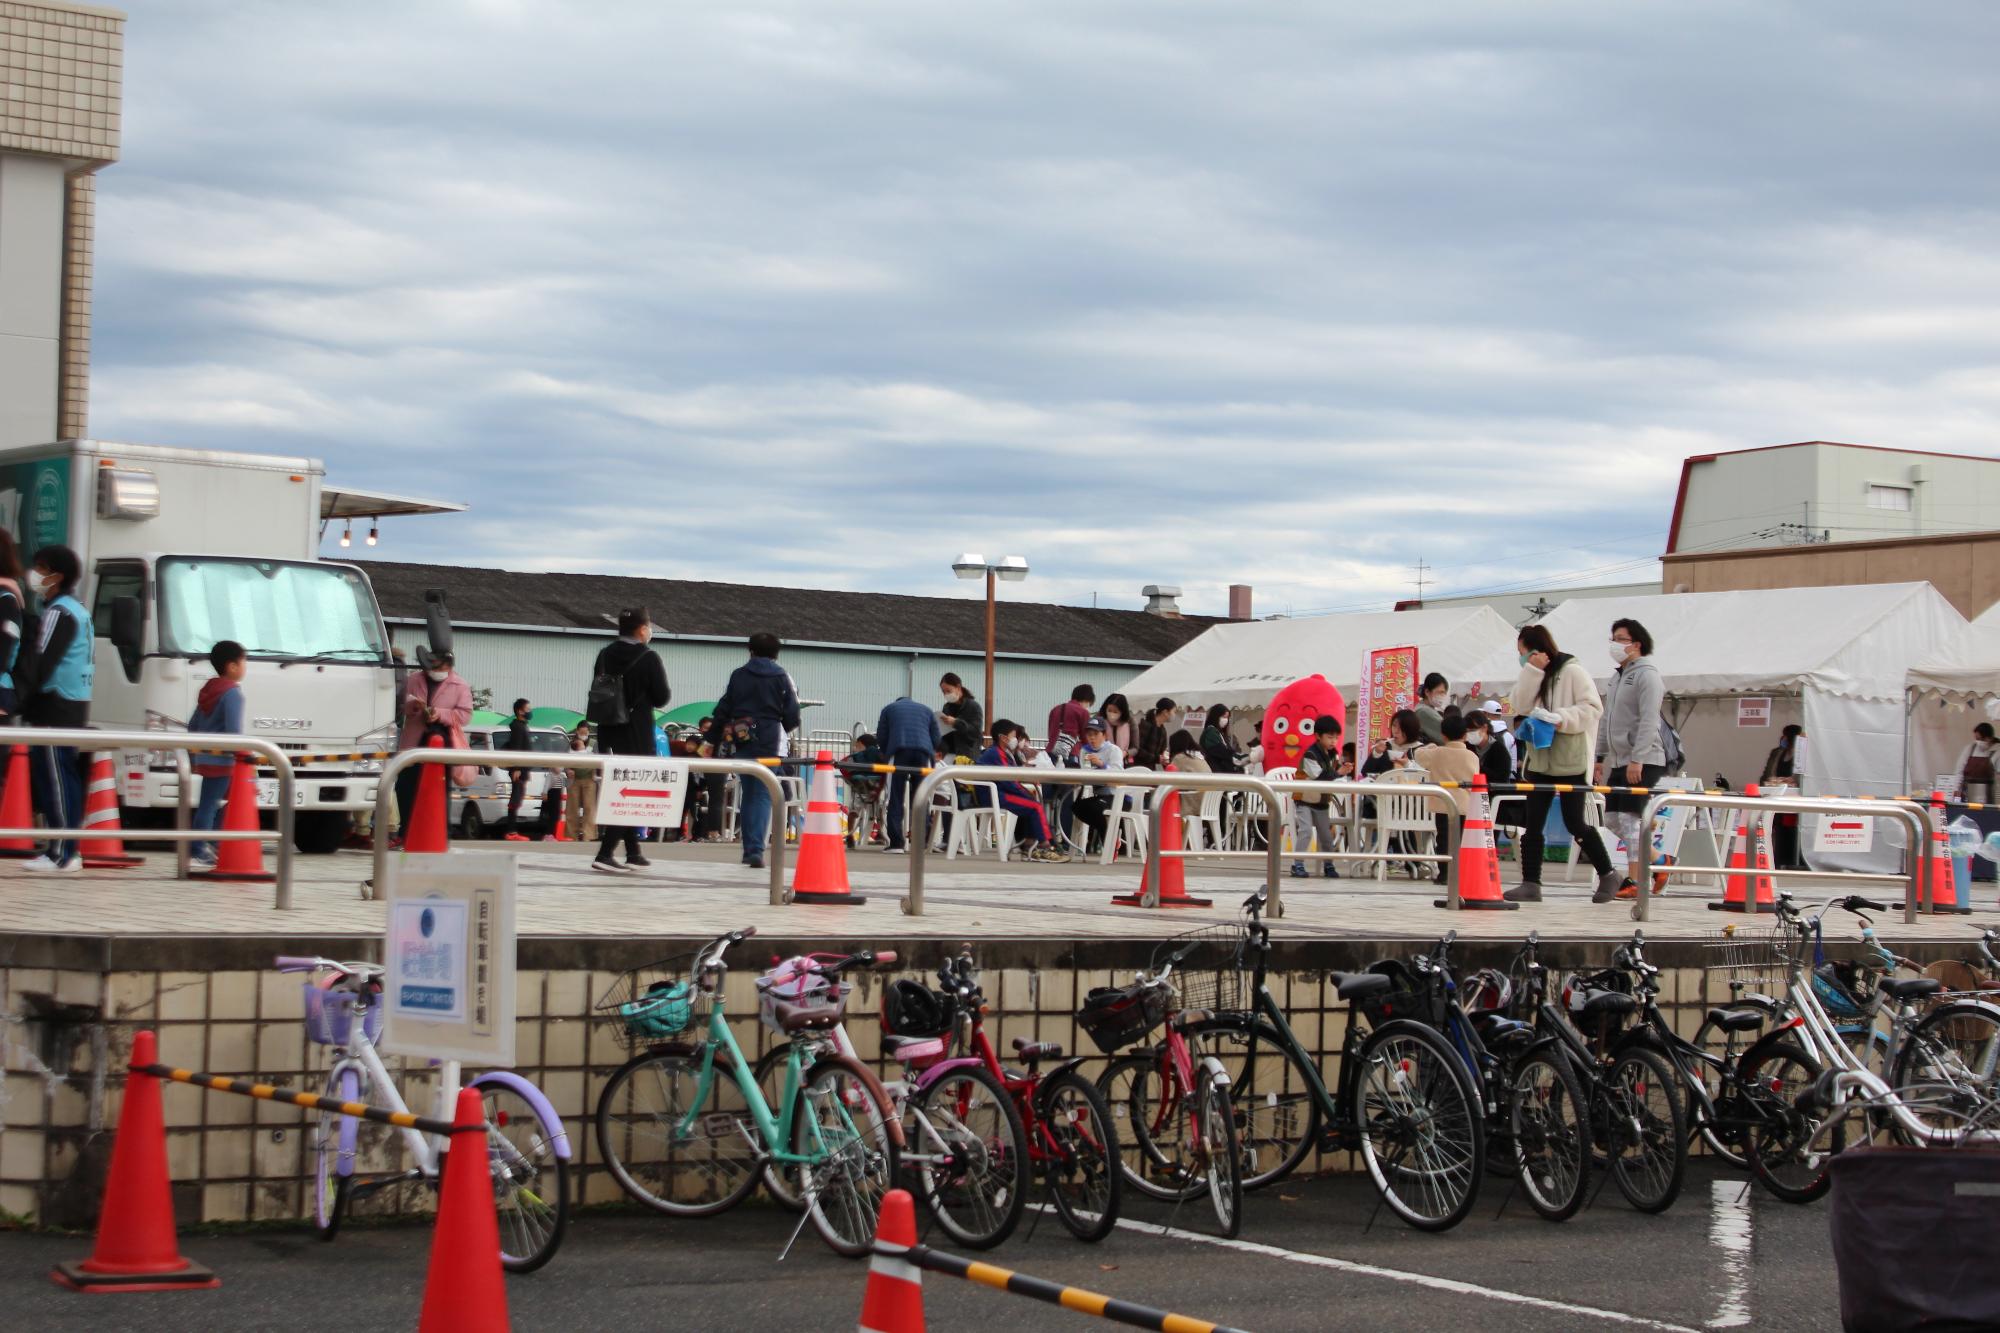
(439, 676)
(51, 586)
(1013, 742)
(1439, 700)
(1618, 651)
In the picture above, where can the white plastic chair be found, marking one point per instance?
(1405, 814)
(1203, 831)
(974, 825)
(1126, 816)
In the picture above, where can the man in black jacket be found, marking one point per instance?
(751, 718)
(517, 778)
(644, 676)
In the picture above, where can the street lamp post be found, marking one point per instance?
(1012, 568)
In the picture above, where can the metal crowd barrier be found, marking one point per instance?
(182, 744)
(920, 799)
(1439, 797)
(573, 761)
(1916, 818)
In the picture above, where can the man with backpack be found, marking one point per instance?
(517, 739)
(627, 683)
(752, 717)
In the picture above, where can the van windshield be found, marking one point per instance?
(274, 608)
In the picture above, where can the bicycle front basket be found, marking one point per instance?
(1114, 1017)
(330, 1016)
(650, 1004)
(1410, 997)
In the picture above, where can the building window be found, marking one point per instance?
(1889, 497)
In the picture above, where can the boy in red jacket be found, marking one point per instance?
(218, 710)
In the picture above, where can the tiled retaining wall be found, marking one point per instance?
(68, 1032)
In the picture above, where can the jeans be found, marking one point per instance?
(1537, 814)
(755, 817)
(900, 786)
(58, 795)
(208, 811)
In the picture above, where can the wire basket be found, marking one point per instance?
(650, 1004)
(1760, 959)
(330, 1016)
(1114, 1017)
(1210, 975)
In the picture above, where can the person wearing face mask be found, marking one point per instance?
(1155, 734)
(1496, 765)
(581, 812)
(1630, 750)
(1216, 745)
(642, 676)
(964, 721)
(54, 690)
(1432, 700)
(436, 702)
(1556, 689)
(1031, 827)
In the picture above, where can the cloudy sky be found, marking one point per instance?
(824, 293)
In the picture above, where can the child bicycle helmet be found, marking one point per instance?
(912, 1009)
(1488, 990)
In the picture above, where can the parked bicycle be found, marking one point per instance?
(685, 1129)
(527, 1150)
(1403, 1099)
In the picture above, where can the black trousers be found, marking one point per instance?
(1536, 815)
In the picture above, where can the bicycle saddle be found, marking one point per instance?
(1608, 1002)
(1355, 985)
(1737, 1020)
(819, 1018)
(1909, 988)
(1032, 1051)
(893, 1043)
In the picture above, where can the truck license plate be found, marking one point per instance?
(267, 793)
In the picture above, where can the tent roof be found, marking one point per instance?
(1856, 640)
(1965, 666)
(1243, 664)
(1990, 616)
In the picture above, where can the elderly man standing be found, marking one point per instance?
(436, 702)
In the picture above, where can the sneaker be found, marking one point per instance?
(1053, 857)
(42, 865)
(1330, 872)
(517, 837)
(897, 851)
(606, 866)
(1627, 891)
(755, 863)
(636, 862)
(1298, 870)
(1608, 885)
(1527, 891)
(201, 865)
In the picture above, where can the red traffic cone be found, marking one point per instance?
(424, 828)
(1736, 890)
(100, 810)
(561, 833)
(1173, 870)
(1478, 867)
(17, 804)
(136, 1250)
(466, 1291)
(1941, 876)
(240, 859)
(894, 1300)
(820, 877)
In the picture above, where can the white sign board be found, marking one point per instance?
(1753, 712)
(449, 990)
(641, 793)
(1844, 833)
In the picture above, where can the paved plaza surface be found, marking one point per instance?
(699, 891)
(1308, 1259)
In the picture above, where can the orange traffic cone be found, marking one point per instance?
(17, 804)
(1478, 867)
(561, 833)
(894, 1300)
(424, 827)
(1941, 875)
(466, 1288)
(1173, 870)
(100, 810)
(239, 859)
(135, 1248)
(820, 877)
(1736, 891)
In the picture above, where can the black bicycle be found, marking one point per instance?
(1403, 1101)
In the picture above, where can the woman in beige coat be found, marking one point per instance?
(1557, 689)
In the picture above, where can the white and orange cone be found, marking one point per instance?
(100, 809)
(1736, 888)
(894, 1301)
(1478, 867)
(820, 877)
(1941, 875)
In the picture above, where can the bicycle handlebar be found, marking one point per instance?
(297, 963)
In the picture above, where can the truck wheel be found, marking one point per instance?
(471, 828)
(320, 832)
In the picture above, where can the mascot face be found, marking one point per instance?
(1294, 717)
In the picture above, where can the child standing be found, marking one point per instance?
(218, 711)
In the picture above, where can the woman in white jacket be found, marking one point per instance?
(1557, 689)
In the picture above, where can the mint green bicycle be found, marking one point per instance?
(685, 1129)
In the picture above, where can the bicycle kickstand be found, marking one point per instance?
(805, 1216)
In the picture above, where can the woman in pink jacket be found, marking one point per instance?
(436, 702)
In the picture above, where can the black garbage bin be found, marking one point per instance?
(1914, 1239)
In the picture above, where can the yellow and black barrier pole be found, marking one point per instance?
(310, 1101)
(1054, 1293)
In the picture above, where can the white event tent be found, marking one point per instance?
(1953, 688)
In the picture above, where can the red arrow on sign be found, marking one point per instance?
(643, 791)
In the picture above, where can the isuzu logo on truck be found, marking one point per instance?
(281, 723)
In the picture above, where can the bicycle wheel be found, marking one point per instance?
(1549, 1126)
(978, 1192)
(1418, 1120)
(333, 1139)
(530, 1183)
(667, 1151)
(1725, 1139)
(781, 1179)
(1778, 1142)
(1154, 1152)
(845, 1130)
(1080, 1158)
(1949, 1066)
(1221, 1154)
(1277, 1116)
(1642, 1128)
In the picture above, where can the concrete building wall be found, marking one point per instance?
(1966, 569)
(1770, 498)
(32, 195)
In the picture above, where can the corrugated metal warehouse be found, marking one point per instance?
(536, 635)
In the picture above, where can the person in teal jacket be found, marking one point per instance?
(53, 682)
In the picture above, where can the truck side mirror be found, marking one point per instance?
(437, 620)
(128, 628)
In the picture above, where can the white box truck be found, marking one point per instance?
(183, 547)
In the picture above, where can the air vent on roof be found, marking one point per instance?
(1160, 599)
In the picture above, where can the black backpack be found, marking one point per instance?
(606, 705)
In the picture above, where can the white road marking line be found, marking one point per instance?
(1729, 1230)
(1397, 1275)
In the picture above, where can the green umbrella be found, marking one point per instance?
(548, 715)
(486, 717)
(684, 716)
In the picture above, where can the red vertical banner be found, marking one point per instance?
(1388, 684)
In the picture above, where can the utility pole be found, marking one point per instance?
(1423, 578)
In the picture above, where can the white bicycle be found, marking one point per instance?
(526, 1148)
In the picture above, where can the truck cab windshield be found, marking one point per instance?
(274, 608)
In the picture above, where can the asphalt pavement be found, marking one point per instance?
(1311, 1256)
